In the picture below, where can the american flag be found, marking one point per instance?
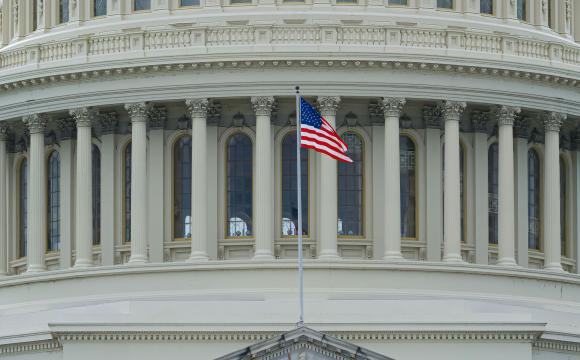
(316, 133)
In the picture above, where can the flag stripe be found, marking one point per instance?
(322, 138)
(333, 154)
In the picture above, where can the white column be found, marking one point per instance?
(479, 122)
(108, 127)
(198, 109)
(434, 203)
(551, 211)
(328, 105)
(138, 115)
(67, 130)
(452, 111)
(36, 246)
(264, 205)
(3, 202)
(392, 108)
(506, 201)
(155, 192)
(84, 196)
(521, 195)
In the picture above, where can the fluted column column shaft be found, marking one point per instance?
(328, 105)
(84, 186)
(551, 211)
(3, 203)
(138, 115)
(392, 108)
(264, 213)
(198, 109)
(506, 199)
(451, 196)
(36, 245)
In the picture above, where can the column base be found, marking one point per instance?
(35, 269)
(555, 267)
(393, 256)
(198, 256)
(453, 259)
(138, 260)
(507, 262)
(329, 255)
(263, 255)
(83, 264)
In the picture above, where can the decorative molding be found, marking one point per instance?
(392, 107)
(553, 345)
(138, 112)
(34, 346)
(552, 120)
(238, 120)
(157, 117)
(432, 117)
(351, 119)
(198, 108)
(109, 122)
(376, 114)
(263, 105)
(452, 110)
(506, 114)
(521, 127)
(84, 116)
(3, 132)
(328, 105)
(35, 123)
(480, 121)
(67, 128)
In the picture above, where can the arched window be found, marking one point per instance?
(522, 10)
(492, 192)
(127, 193)
(239, 186)
(350, 188)
(486, 7)
(182, 188)
(563, 203)
(140, 5)
(23, 207)
(289, 190)
(534, 215)
(99, 8)
(63, 13)
(445, 4)
(408, 164)
(53, 203)
(96, 193)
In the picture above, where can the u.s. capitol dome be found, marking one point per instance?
(148, 200)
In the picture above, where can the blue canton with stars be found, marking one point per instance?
(308, 115)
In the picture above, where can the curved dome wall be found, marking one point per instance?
(146, 176)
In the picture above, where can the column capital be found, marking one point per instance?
(36, 123)
(328, 105)
(84, 116)
(137, 111)
(3, 133)
(393, 107)
(66, 127)
(263, 105)
(479, 121)
(506, 114)
(108, 122)
(198, 108)
(452, 110)
(553, 120)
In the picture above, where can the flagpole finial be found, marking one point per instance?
(297, 89)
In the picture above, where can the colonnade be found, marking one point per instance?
(264, 234)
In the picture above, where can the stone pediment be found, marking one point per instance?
(304, 343)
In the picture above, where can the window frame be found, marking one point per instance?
(92, 10)
(495, 142)
(124, 193)
(416, 170)
(47, 213)
(58, 13)
(452, 8)
(565, 234)
(135, 11)
(537, 149)
(526, 14)
(398, 5)
(22, 225)
(178, 6)
(97, 229)
(493, 9)
(363, 220)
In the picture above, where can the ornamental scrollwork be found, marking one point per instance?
(328, 105)
(198, 108)
(108, 122)
(521, 127)
(479, 121)
(452, 110)
(157, 117)
(66, 127)
(3, 132)
(36, 123)
(553, 120)
(84, 116)
(137, 111)
(432, 117)
(263, 105)
(393, 107)
(506, 114)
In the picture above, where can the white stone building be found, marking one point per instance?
(147, 178)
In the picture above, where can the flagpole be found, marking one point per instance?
(299, 204)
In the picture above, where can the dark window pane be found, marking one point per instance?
(486, 7)
(408, 165)
(492, 191)
(533, 200)
(99, 7)
(127, 193)
(63, 11)
(141, 5)
(563, 203)
(53, 204)
(23, 207)
(96, 198)
(350, 188)
(398, 2)
(34, 15)
(289, 189)
(521, 10)
(445, 4)
(189, 3)
(182, 188)
(239, 192)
